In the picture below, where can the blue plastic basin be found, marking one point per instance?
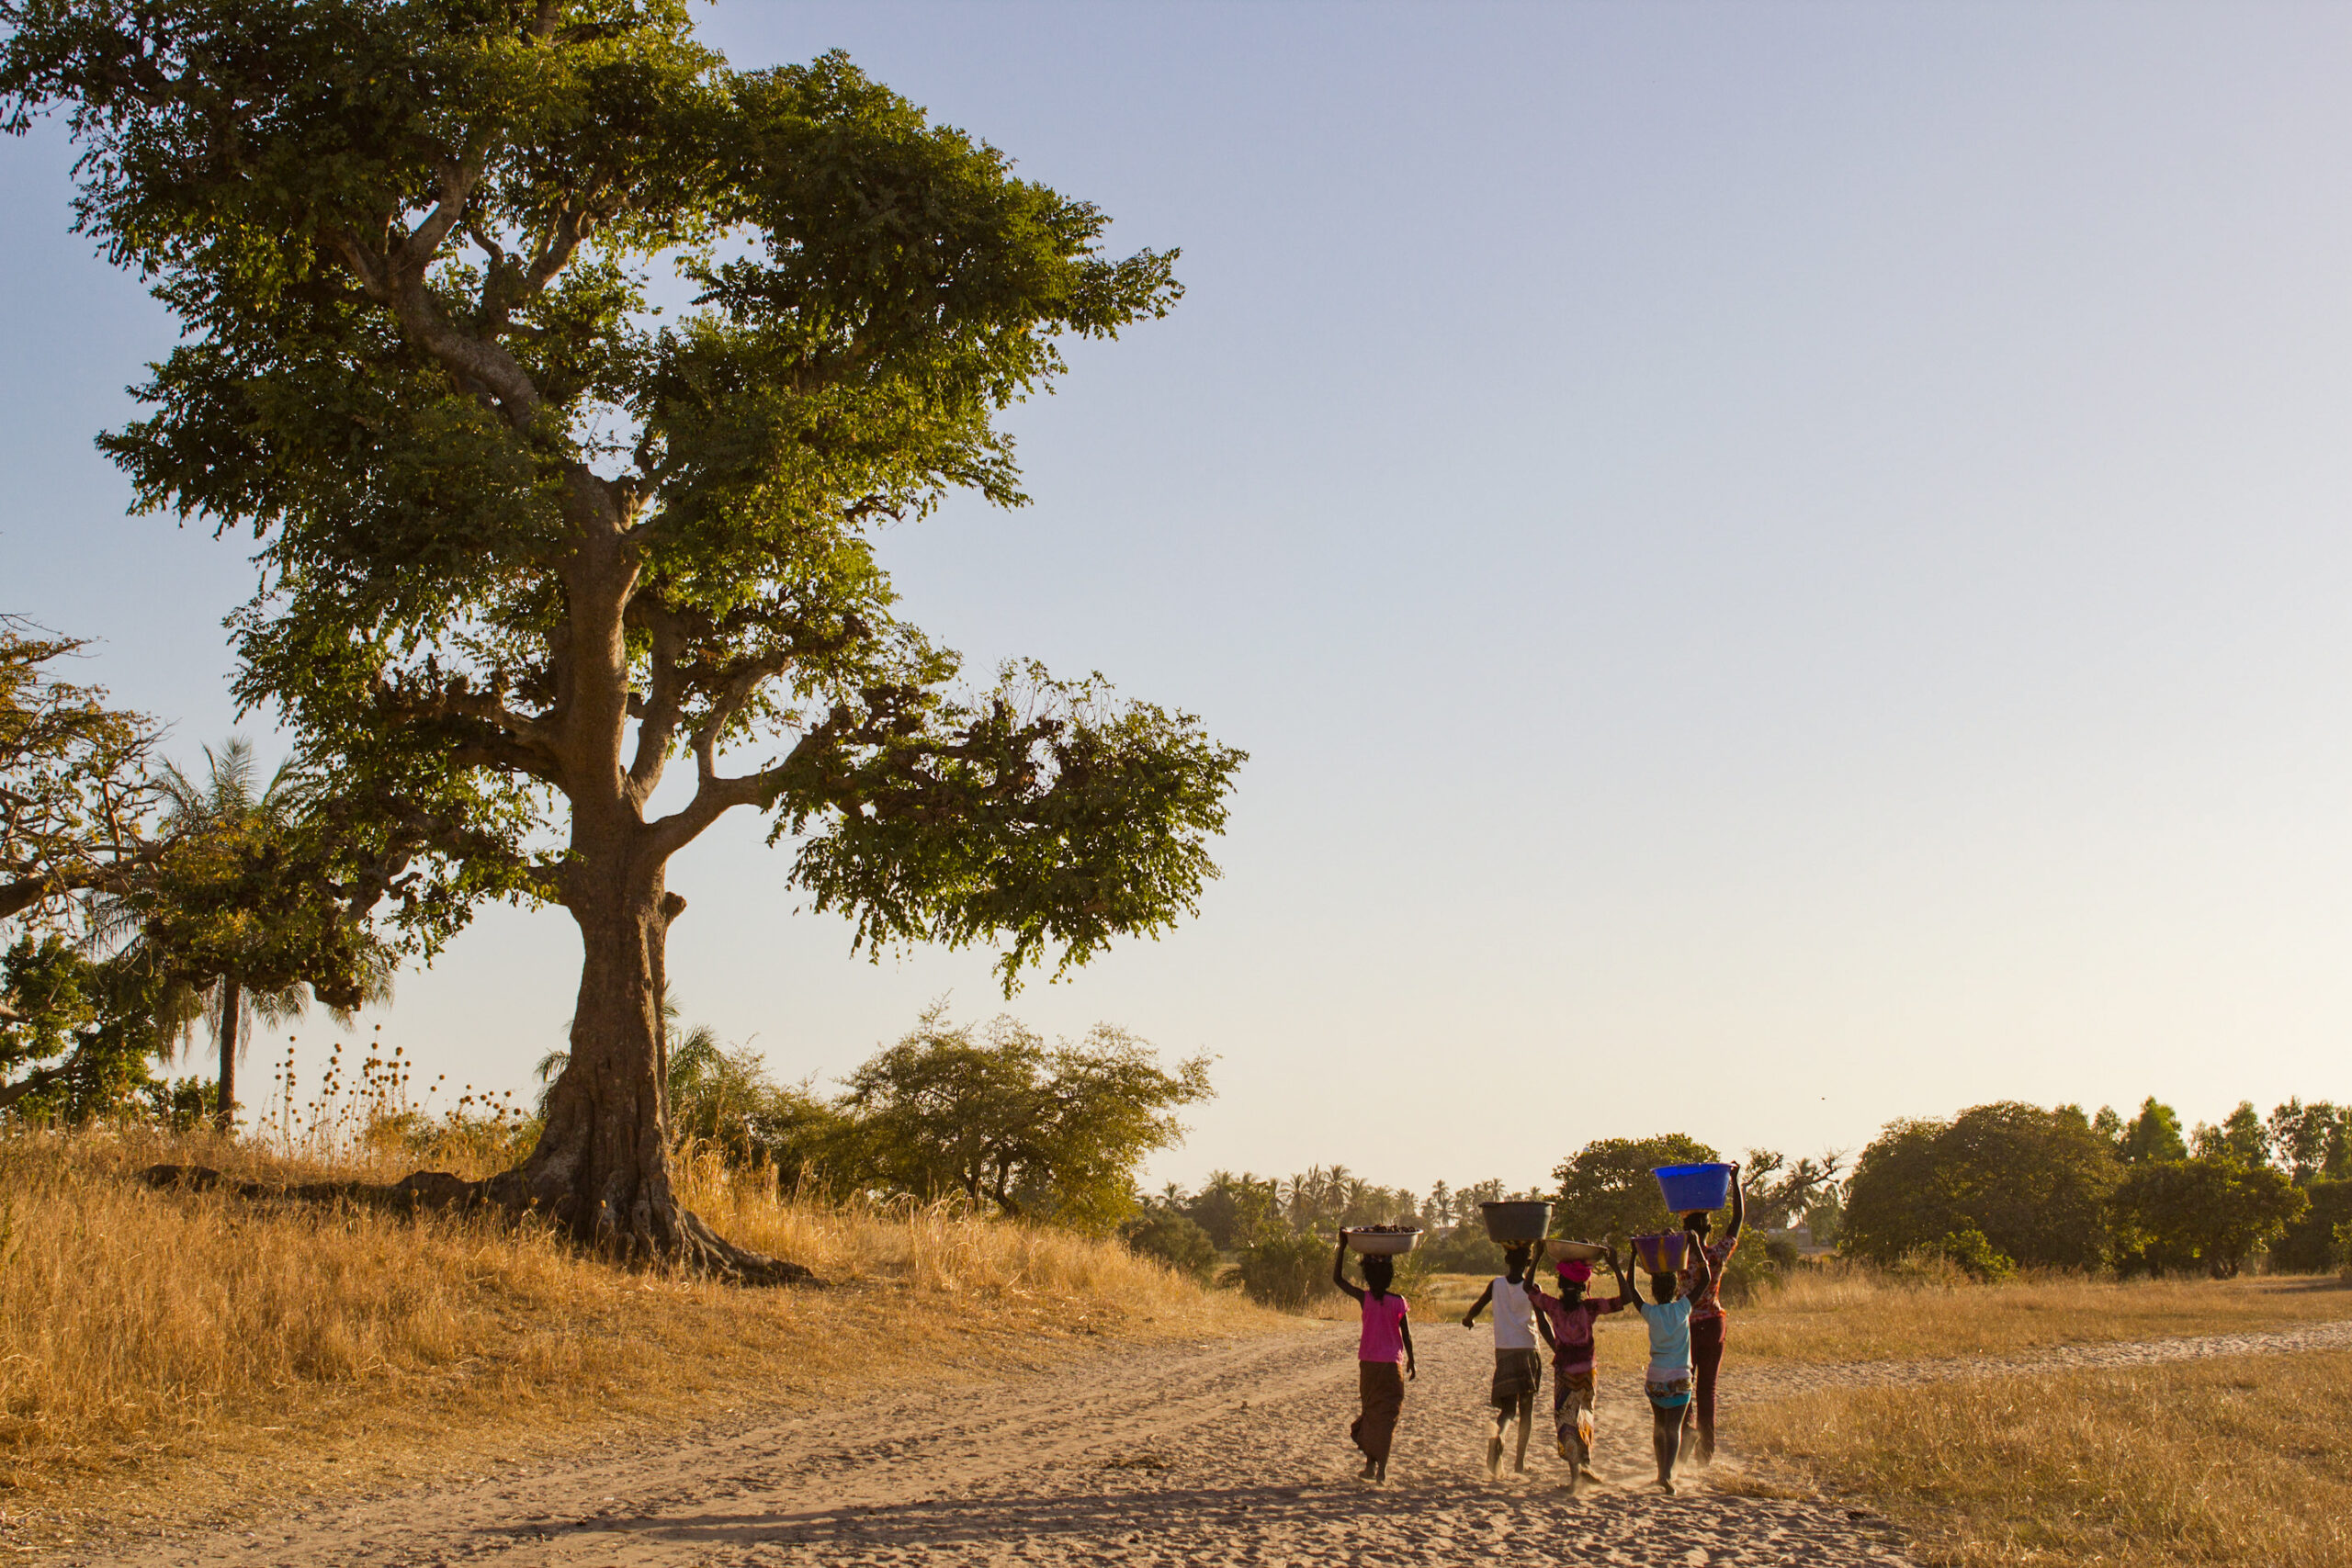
(1694, 1187)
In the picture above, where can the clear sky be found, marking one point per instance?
(1779, 566)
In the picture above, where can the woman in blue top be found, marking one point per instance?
(1668, 1378)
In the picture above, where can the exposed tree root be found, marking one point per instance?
(677, 1238)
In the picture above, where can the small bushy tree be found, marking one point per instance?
(1049, 1131)
(2212, 1214)
(1286, 1270)
(2035, 1183)
(1164, 1232)
(1607, 1192)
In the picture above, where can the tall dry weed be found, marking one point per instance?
(2236, 1459)
(145, 1330)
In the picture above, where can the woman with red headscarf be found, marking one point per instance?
(1567, 1322)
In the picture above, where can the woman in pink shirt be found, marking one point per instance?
(1387, 1338)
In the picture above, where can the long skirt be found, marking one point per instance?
(1706, 1360)
(1381, 1385)
(1572, 1415)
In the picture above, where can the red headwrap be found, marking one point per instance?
(1575, 1271)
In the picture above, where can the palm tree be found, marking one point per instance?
(229, 984)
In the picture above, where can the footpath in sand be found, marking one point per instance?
(1225, 1452)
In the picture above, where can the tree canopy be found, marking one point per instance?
(2033, 1183)
(1047, 1131)
(75, 789)
(535, 522)
(1607, 1192)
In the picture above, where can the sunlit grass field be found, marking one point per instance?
(2238, 1460)
(168, 1351)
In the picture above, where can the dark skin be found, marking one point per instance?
(1666, 1421)
(1696, 1226)
(1517, 1262)
(1378, 1274)
(1572, 1295)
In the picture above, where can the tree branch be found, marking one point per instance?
(665, 698)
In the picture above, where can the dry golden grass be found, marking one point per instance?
(2236, 1459)
(1856, 1314)
(168, 1353)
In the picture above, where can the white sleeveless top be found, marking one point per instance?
(1514, 1316)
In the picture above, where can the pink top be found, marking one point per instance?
(1572, 1326)
(1384, 1328)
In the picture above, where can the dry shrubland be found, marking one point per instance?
(143, 1331)
(2230, 1460)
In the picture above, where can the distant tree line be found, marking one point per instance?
(1278, 1232)
(2011, 1185)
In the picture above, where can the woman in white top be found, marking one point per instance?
(1519, 1366)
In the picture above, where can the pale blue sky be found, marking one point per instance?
(1781, 566)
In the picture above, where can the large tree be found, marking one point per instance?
(527, 541)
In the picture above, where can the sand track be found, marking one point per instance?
(1212, 1453)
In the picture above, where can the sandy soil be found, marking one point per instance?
(1211, 1453)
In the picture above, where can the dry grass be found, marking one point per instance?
(1856, 1314)
(2235, 1459)
(168, 1353)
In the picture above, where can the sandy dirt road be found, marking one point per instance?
(1222, 1452)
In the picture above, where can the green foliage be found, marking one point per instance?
(1466, 1248)
(1052, 1132)
(2035, 1183)
(2342, 1249)
(725, 1100)
(76, 1035)
(238, 909)
(2153, 1134)
(508, 513)
(2242, 1136)
(180, 1105)
(2311, 1140)
(1287, 1272)
(1162, 1232)
(1231, 1209)
(75, 791)
(1968, 1250)
(2307, 1246)
(2211, 1212)
(1607, 1192)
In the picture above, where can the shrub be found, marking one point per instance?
(1286, 1272)
(1982, 1261)
(1176, 1241)
(2309, 1245)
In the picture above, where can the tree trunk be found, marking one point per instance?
(602, 1166)
(233, 1007)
